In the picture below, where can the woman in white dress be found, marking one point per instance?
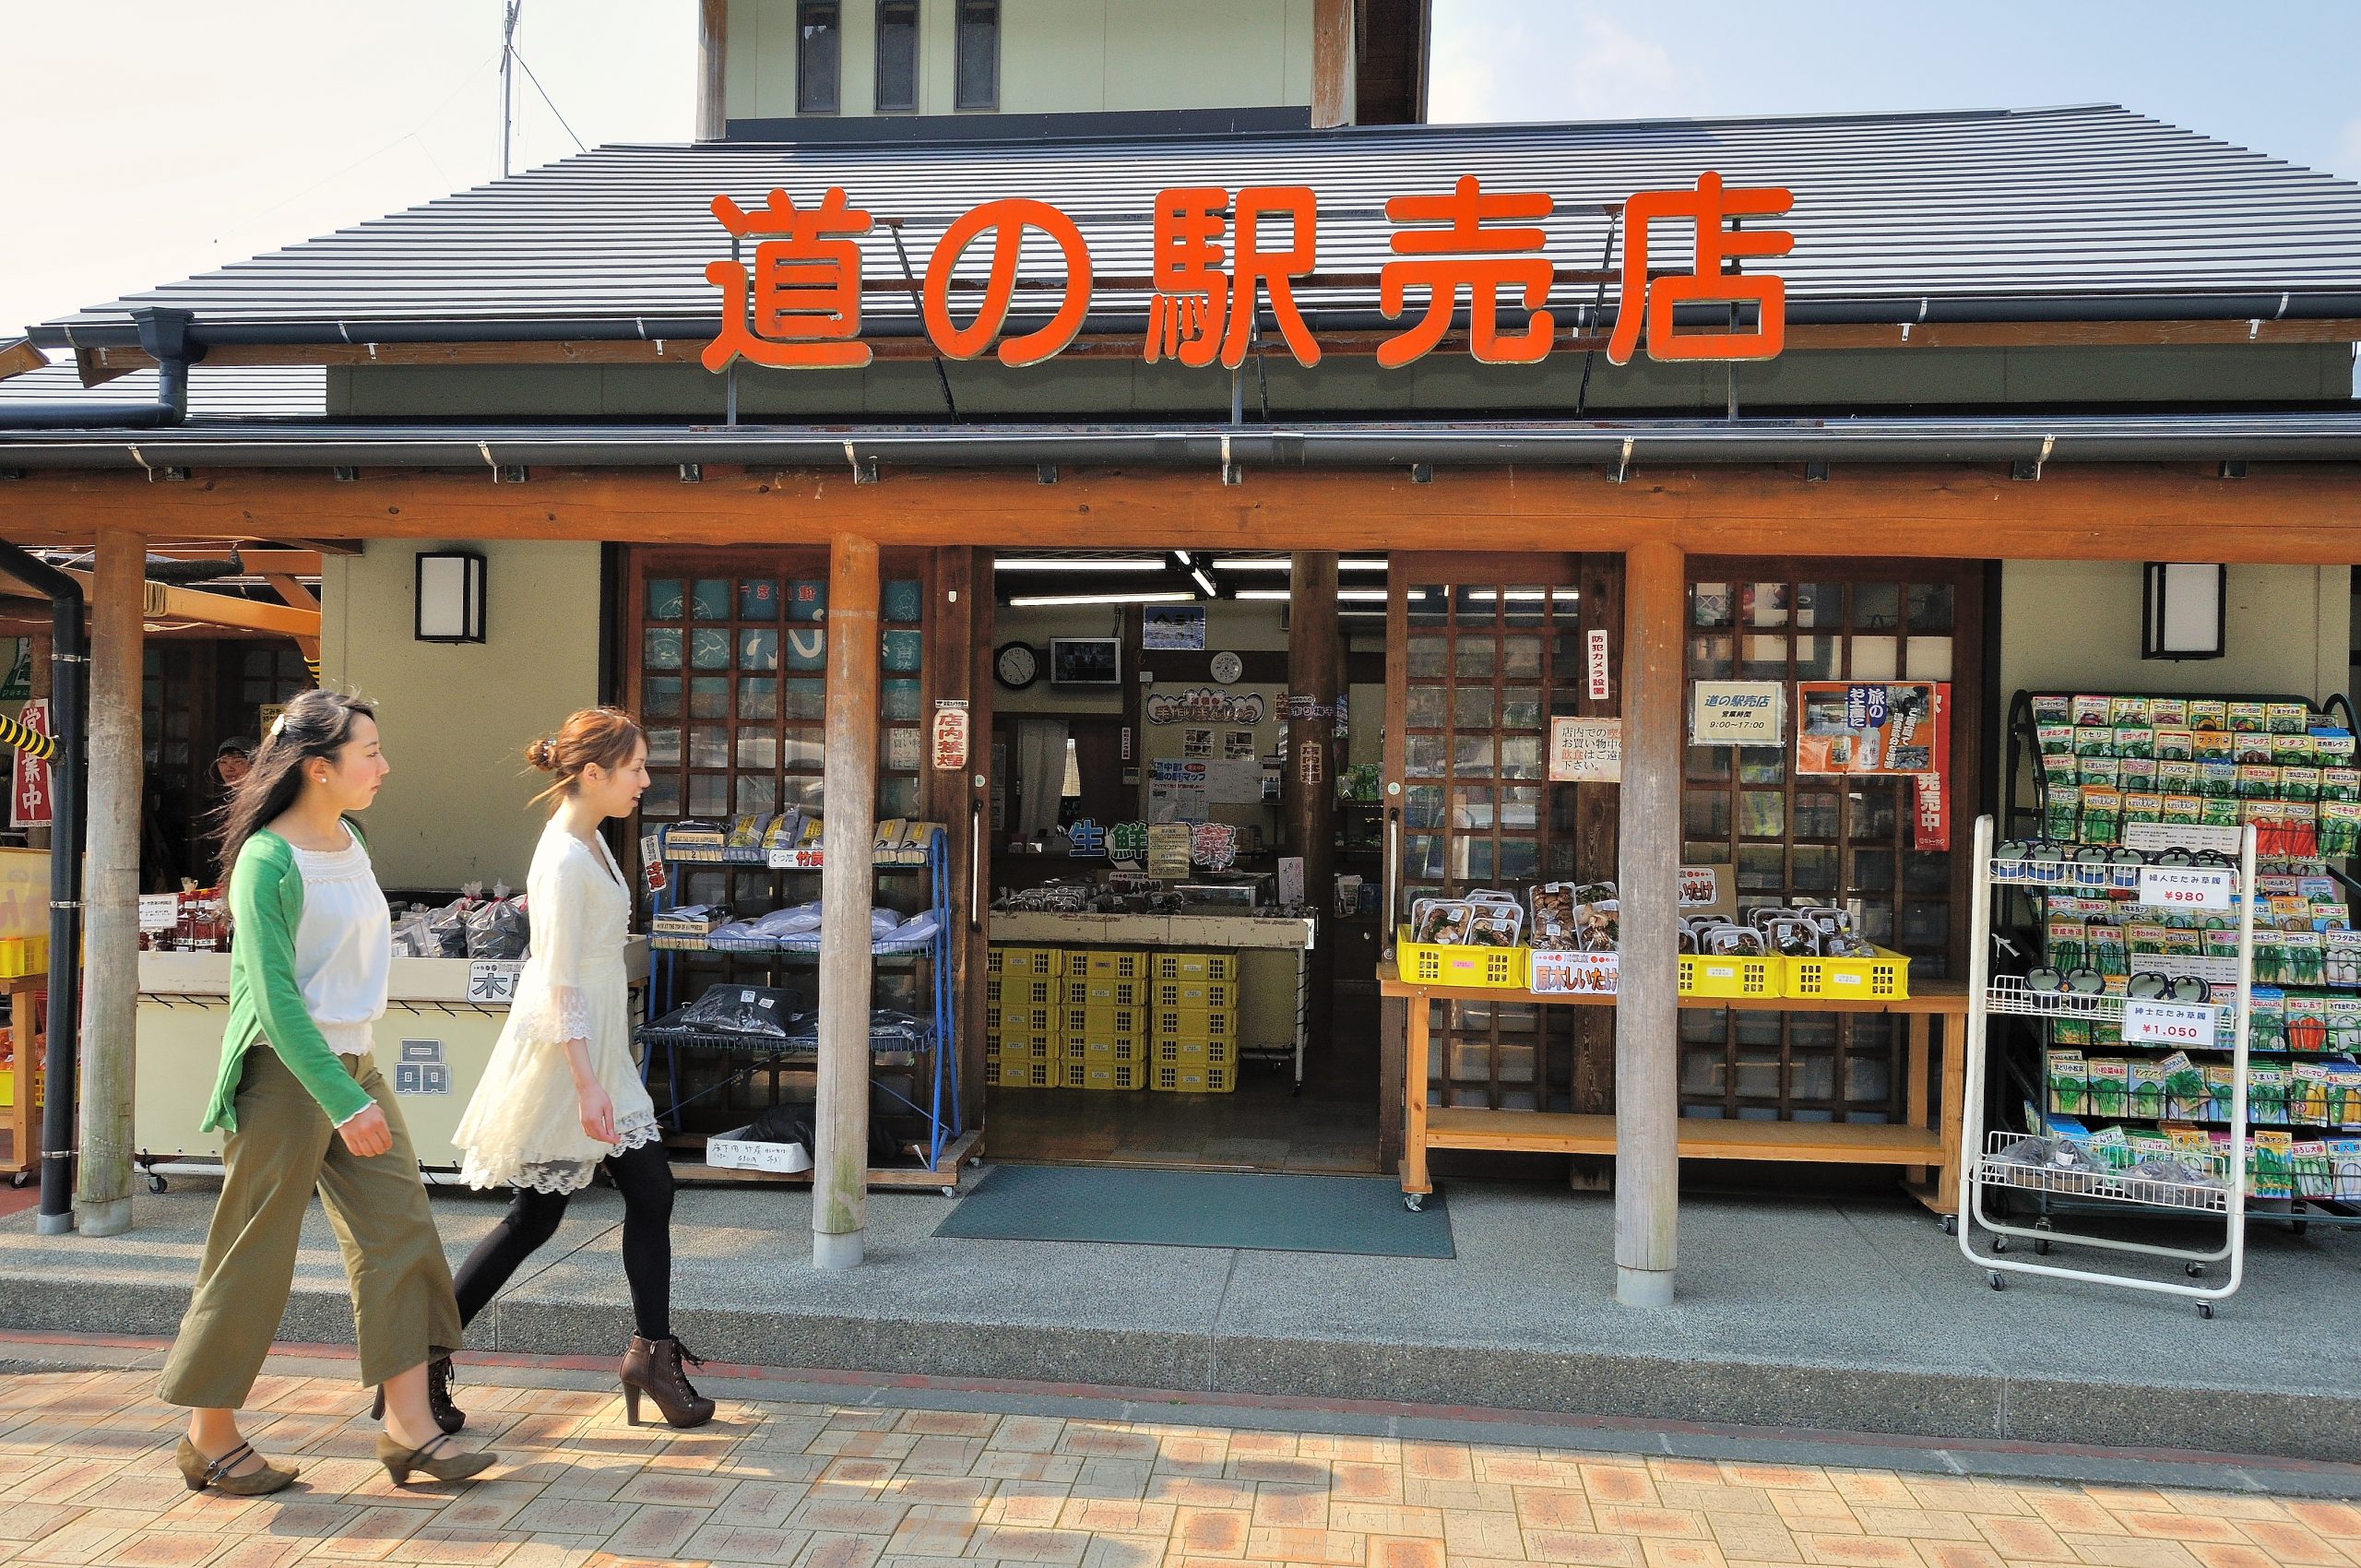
(561, 1095)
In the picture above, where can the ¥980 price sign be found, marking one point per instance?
(2186, 887)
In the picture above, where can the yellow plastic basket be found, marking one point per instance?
(1710, 974)
(1113, 1076)
(1105, 1023)
(1104, 1052)
(1433, 962)
(1101, 990)
(1007, 1021)
(1020, 1075)
(1199, 1025)
(1202, 993)
(1195, 1054)
(1022, 990)
(1882, 979)
(1175, 1079)
(1032, 1048)
(1195, 966)
(1045, 963)
(1106, 963)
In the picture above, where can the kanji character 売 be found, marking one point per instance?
(799, 305)
(1709, 209)
(1465, 255)
(1008, 219)
(1202, 312)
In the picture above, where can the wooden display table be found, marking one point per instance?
(28, 1003)
(1922, 1145)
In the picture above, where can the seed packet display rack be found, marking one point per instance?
(934, 1070)
(1988, 1171)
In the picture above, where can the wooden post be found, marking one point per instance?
(849, 789)
(110, 915)
(1647, 1017)
(1332, 64)
(713, 69)
(1315, 674)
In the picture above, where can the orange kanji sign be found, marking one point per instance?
(799, 306)
(1201, 312)
(1709, 209)
(1008, 219)
(1464, 255)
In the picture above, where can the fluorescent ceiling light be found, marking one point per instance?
(1344, 595)
(1361, 596)
(1204, 582)
(1279, 564)
(1088, 563)
(1525, 596)
(1279, 595)
(1054, 600)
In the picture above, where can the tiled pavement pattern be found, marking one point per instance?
(86, 1476)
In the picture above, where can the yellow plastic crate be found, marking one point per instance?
(1205, 993)
(1000, 1021)
(1022, 990)
(1195, 966)
(1074, 1072)
(1197, 1026)
(1434, 963)
(1112, 1076)
(1882, 979)
(1043, 963)
(1105, 1023)
(1708, 974)
(1193, 1053)
(1110, 1051)
(1032, 1048)
(1178, 1079)
(1106, 963)
(1099, 991)
(991, 961)
(1031, 1075)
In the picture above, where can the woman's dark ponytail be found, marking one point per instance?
(318, 723)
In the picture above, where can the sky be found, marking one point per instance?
(149, 139)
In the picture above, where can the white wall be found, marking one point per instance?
(2075, 625)
(456, 717)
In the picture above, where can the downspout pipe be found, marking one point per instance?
(164, 336)
(70, 652)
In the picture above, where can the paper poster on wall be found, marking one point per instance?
(1173, 628)
(1290, 879)
(1000, 786)
(1168, 852)
(18, 682)
(1237, 742)
(1873, 728)
(1234, 781)
(1585, 751)
(1176, 790)
(1196, 743)
(1738, 713)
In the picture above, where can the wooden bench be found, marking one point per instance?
(1926, 1145)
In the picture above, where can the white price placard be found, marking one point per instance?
(2184, 1024)
(159, 911)
(493, 979)
(786, 858)
(2186, 888)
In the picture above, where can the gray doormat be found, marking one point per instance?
(1361, 1215)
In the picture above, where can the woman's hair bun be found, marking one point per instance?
(543, 754)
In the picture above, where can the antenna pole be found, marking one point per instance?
(507, 79)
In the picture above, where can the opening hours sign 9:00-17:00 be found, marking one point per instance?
(1216, 254)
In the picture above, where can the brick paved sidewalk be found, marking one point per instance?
(86, 1476)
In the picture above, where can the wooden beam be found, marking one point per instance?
(164, 601)
(1647, 1005)
(18, 356)
(713, 69)
(1307, 791)
(1332, 64)
(111, 918)
(849, 789)
(2281, 514)
(298, 597)
(1802, 337)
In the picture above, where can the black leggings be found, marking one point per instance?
(644, 1176)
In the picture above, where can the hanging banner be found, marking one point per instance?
(1738, 713)
(1930, 828)
(1585, 751)
(1173, 628)
(1866, 728)
(29, 806)
(950, 736)
(1599, 691)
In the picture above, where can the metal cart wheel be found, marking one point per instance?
(1998, 1283)
(1414, 1201)
(950, 1192)
(2041, 1244)
(1999, 1243)
(2195, 1271)
(2205, 1309)
(22, 1179)
(156, 1182)
(1950, 1225)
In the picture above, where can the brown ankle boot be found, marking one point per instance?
(653, 1367)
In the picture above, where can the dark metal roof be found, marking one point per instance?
(2149, 438)
(215, 392)
(2089, 212)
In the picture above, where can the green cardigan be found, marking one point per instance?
(265, 1000)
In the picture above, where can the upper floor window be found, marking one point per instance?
(979, 54)
(897, 57)
(819, 49)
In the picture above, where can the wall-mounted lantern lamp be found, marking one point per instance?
(450, 597)
(2184, 611)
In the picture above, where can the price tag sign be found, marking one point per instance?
(786, 857)
(2186, 888)
(493, 980)
(159, 911)
(2182, 1024)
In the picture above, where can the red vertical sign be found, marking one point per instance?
(30, 805)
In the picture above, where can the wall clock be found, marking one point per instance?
(1227, 668)
(1015, 666)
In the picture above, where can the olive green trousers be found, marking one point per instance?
(284, 1148)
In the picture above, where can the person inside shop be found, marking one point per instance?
(233, 760)
(302, 1106)
(560, 1095)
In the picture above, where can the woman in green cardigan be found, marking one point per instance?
(302, 1106)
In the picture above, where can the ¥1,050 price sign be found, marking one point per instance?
(2186, 887)
(2184, 1024)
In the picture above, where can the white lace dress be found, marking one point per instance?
(524, 1126)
